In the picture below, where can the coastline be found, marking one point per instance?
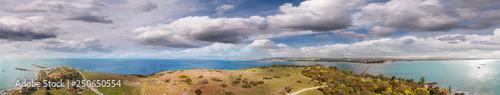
(351, 60)
(273, 77)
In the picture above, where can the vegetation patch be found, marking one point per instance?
(246, 86)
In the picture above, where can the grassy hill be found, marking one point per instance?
(271, 80)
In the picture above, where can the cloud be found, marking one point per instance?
(315, 15)
(480, 19)
(185, 32)
(80, 10)
(26, 28)
(412, 15)
(308, 16)
(426, 15)
(322, 36)
(475, 4)
(350, 34)
(257, 48)
(223, 8)
(141, 5)
(451, 45)
(90, 18)
(83, 46)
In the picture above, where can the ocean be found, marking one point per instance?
(470, 76)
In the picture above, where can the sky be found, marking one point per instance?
(219, 29)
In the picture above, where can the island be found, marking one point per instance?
(278, 79)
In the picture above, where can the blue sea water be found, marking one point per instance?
(471, 76)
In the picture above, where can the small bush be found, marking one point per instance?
(167, 80)
(238, 79)
(186, 80)
(247, 86)
(277, 76)
(253, 83)
(260, 82)
(245, 81)
(299, 81)
(267, 78)
(183, 76)
(215, 79)
(223, 85)
(201, 76)
(229, 93)
(198, 92)
(236, 82)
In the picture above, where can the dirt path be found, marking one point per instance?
(300, 91)
(91, 88)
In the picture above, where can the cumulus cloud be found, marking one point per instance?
(26, 28)
(315, 15)
(413, 15)
(451, 45)
(463, 46)
(427, 15)
(223, 8)
(311, 15)
(80, 10)
(187, 31)
(257, 48)
(82, 46)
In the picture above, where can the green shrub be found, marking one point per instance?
(277, 76)
(238, 79)
(183, 76)
(267, 78)
(260, 82)
(236, 82)
(245, 81)
(198, 92)
(223, 85)
(215, 79)
(253, 83)
(299, 81)
(246, 86)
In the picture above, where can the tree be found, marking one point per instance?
(380, 76)
(198, 92)
(449, 88)
(422, 81)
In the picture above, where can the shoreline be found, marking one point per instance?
(38, 74)
(358, 61)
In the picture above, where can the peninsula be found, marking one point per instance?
(276, 79)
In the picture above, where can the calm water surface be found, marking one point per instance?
(472, 76)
